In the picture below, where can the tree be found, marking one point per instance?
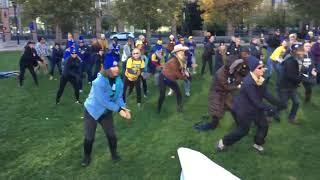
(63, 15)
(233, 12)
(149, 15)
(308, 10)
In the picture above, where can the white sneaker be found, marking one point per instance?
(80, 91)
(187, 94)
(170, 92)
(258, 148)
(89, 83)
(194, 72)
(51, 78)
(139, 105)
(145, 96)
(220, 146)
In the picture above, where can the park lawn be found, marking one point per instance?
(39, 140)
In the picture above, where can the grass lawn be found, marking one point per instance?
(39, 140)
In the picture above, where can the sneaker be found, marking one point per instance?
(170, 92)
(194, 72)
(116, 158)
(259, 148)
(203, 127)
(220, 146)
(78, 102)
(294, 121)
(51, 78)
(89, 83)
(139, 105)
(57, 102)
(86, 161)
(80, 91)
(145, 96)
(187, 94)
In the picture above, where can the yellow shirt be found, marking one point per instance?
(133, 69)
(278, 53)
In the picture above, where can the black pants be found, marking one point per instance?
(63, 82)
(144, 85)
(31, 70)
(243, 127)
(53, 65)
(215, 120)
(205, 60)
(90, 126)
(131, 84)
(285, 95)
(163, 83)
(308, 91)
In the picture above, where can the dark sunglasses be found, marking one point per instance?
(73, 53)
(262, 67)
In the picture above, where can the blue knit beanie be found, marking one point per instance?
(109, 61)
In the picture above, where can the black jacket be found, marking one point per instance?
(72, 68)
(209, 49)
(57, 55)
(233, 50)
(274, 41)
(249, 103)
(291, 76)
(255, 50)
(29, 57)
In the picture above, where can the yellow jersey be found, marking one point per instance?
(133, 68)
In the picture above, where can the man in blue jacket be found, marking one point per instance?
(105, 98)
(249, 107)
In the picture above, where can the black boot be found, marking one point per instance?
(307, 98)
(113, 148)
(87, 148)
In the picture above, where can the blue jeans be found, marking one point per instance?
(277, 69)
(269, 62)
(292, 94)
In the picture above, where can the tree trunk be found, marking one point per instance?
(250, 30)
(58, 33)
(76, 32)
(174, 27)
(301, 26)
(230, 29)
(311, 25)
(98, 25)
(34, 32)
(148, 33)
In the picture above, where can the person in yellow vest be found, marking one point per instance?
(132, 78)
(103, 42)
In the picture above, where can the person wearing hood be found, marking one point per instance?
(71, 73)
(173, 70)
(104, 99)
(249, 106)
(220, 94)
(293, 73)
(29, 60)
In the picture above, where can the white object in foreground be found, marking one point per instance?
(196, 166)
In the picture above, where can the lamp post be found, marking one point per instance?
(14, 4)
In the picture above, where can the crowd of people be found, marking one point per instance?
(235, 68)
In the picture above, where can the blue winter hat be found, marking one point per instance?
(159, 47)
(296, 47)
(73, 50)
(81, 39)
(253, 63)
(109, 62)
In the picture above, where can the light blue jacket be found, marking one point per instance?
(102, 99)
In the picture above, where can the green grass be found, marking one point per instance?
(33, 147)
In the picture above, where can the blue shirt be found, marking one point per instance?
(100, 98)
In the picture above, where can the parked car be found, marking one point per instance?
(122, 35)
